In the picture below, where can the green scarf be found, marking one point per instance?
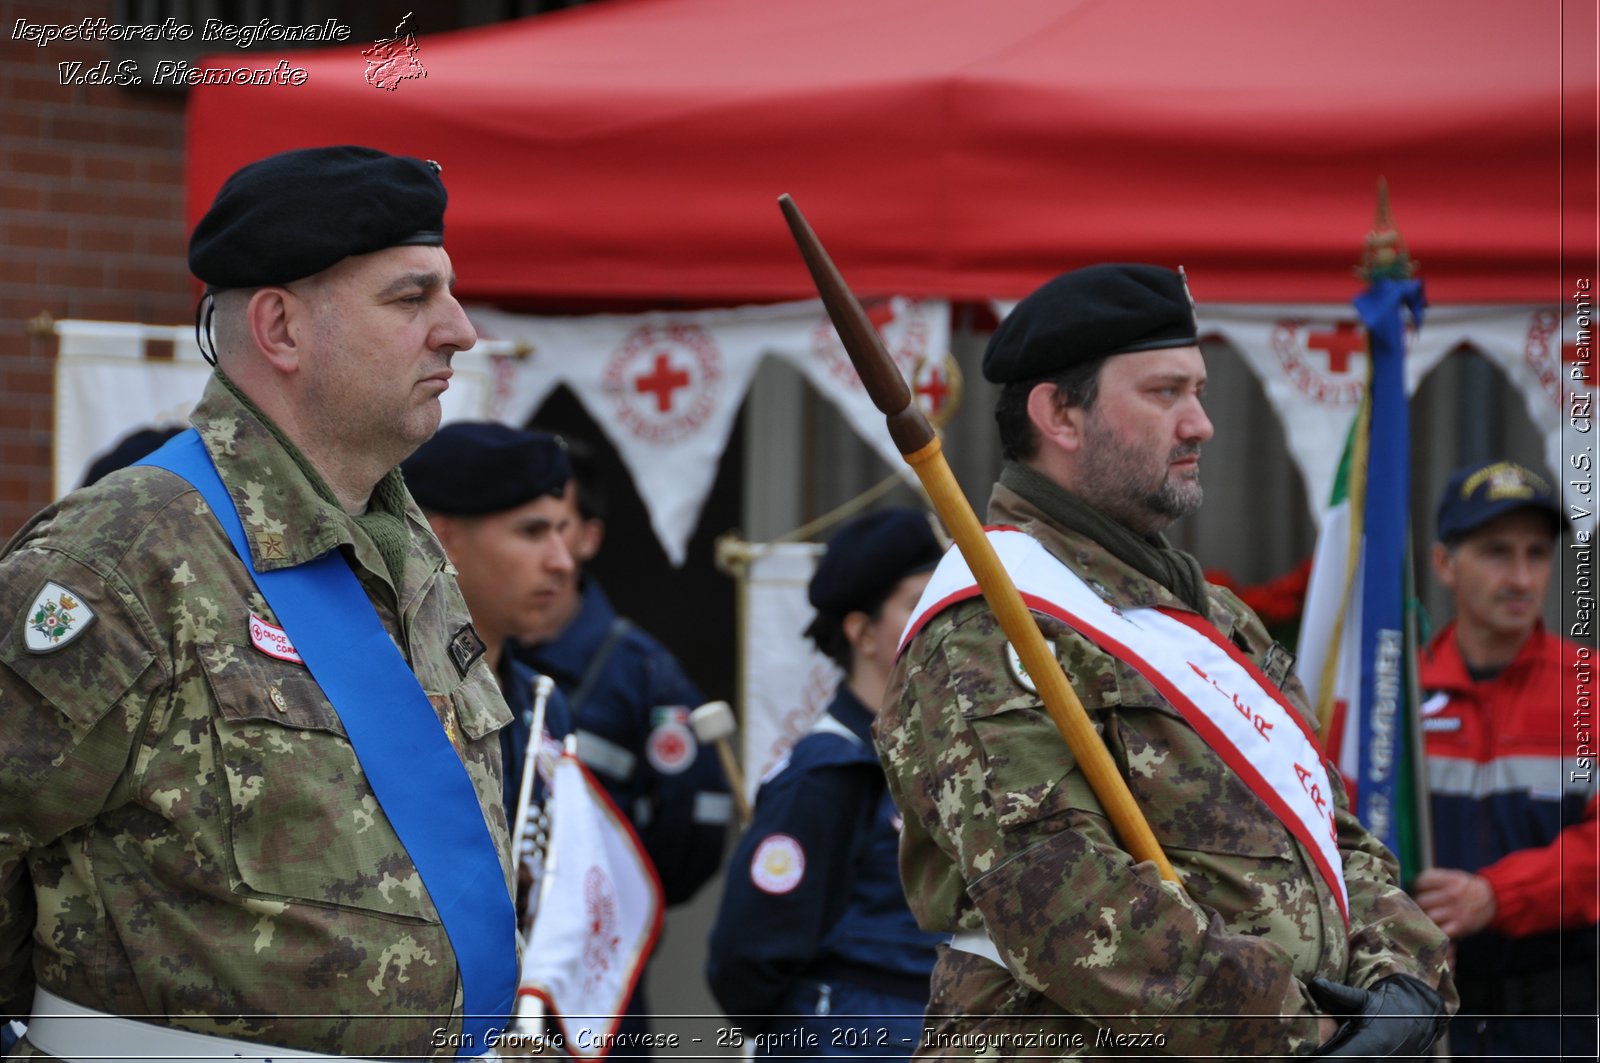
(1151, 555)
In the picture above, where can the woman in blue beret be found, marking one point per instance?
(814, 948)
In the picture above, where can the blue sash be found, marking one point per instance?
(397, 738)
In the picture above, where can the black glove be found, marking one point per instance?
(1399, 1016)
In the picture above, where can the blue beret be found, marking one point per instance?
(1088, 314)
(868, 555)
(1477, 494)
(297, 213)
(470, 468)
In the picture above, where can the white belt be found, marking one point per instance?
(73, 1032)
(979, 943)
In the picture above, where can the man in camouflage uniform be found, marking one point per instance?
(1063, 944)
(186, 833)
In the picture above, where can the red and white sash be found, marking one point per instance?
(1218, 690)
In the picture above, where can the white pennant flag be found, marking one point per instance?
(1312, 364)
(914, 332)
(600, 906)
(787, 683)
(665, 387)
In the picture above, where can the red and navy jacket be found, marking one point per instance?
(1511, 798)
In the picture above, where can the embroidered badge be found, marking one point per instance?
(272, 640)
(465, 647)
(55, 618)
(671, 747)
(779, 864)
(1018, 670)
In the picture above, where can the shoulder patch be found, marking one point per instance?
(779, 864)
(671, 747)
(465, 648)
(56, 617)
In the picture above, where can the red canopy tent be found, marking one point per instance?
(632, 151)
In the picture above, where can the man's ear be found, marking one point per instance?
(272, 318)
(591, 533)
(1056, 422)
(1442, 559)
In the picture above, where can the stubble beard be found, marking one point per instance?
(1122, 482)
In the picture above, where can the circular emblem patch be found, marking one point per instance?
(778, 864)
(664, 380)
(671, 747)
(1018, 670)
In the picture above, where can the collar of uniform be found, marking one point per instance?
(1114, 578)
(1446, 669)
(286, 520)
(569, 652)
(848, 710)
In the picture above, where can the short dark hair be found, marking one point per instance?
(1077, 385)
(826, 631)
(592, 499)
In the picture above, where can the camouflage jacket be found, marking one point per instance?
(1002, 833)
(185, 832)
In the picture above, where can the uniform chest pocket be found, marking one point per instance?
(302, 821)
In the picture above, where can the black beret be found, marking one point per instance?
(297, 213)
(1478, 494)
(1089, 313)
(129, 449)
(470, 468)
(868, 555)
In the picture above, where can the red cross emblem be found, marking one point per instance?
(934, 390)
(661, 382)
(664, 380)
(1347, 338)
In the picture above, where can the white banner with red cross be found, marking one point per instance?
(666, 387)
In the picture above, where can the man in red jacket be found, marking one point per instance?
(1506, 706)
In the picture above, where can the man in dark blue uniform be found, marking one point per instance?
(494, 496)
(814, 945)
(630, 701)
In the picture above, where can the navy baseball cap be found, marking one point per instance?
(1478, 494)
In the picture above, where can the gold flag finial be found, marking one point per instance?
(1384, 256)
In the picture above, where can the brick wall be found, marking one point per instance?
(91, 226)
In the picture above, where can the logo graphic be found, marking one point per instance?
(391, 60)
(1018, 670)
(1319, 360)
(936, 383)
(663, 381)
(272, 640)
(778, 865)
(601, 941)
(55, 618)
(671, 746)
